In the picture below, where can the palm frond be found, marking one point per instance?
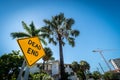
(51, 40)
(46, 29)
(32, 26)
(71, 41)
(43, 41)
(53, 23)
(84, 65)
(37, 31)
(69, 23)
(52, 58)
(26, 27)
(54, 20)
(61, 18)
(44, 35)
(47, 22)
(63, 43)
(48, 53)
(19, 35)
(32, 29)
(75, 33)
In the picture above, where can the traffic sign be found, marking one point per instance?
(32, 49)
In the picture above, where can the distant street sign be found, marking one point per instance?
(32, 49)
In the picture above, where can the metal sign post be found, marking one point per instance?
(21, 71)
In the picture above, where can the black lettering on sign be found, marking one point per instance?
(30, 42)
(38, 46)
(32, 52)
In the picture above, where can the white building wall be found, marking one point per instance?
(34, 69)
(73, 77)
(115, 63)
(68, 69)
(55, 68)
(50, 67)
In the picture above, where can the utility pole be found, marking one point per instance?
(100, 51)
(98, 69)
(101, 68)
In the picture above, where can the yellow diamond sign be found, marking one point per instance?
(32, 49)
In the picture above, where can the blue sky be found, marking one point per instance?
(97, 21)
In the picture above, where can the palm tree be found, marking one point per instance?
(75, 66)
(84, 67)
(31, 31)
(52, 58)
(96, 75)
(56, 30)
(48, 55)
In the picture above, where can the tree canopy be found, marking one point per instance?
(10, 65)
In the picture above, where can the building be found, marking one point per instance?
(116, 64)
(35, 68)
(52, 68)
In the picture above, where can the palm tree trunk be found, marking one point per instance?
(47, 66)
(43, 65)
(84, 77)
(62, 70)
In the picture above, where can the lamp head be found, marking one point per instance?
(94, 51)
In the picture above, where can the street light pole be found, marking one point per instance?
(105, 61)
(100, 51)
(101, 68)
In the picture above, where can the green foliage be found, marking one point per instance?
(61, 26)
(111, 76)
(81, 75)
(108, 75)
(75, 66)
(80, 69)
(96, 75)
(48, 54)
(89, 75)
(13, 77)
(31, 31)
(84, 65)
(9, 65)
(41, 76)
